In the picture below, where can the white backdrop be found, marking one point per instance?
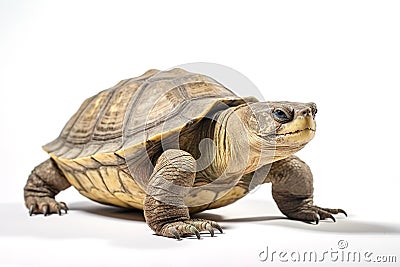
(343, 55)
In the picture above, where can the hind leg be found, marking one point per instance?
(44, 183)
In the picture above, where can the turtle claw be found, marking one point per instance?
(31, 209)
(216, 225)
(206, 225)
(195, 231)
(174, 232)
(178, 229)
(342, 211)
(329, 212)
(315, 214)
(59, 211)
(64, 207)
(45, 206)
(45, 210)
(189, 228)
(317, 219)
(210, 229)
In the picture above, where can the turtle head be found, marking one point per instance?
(254, 134)
(286, 126)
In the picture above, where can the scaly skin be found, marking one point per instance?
(173, 220)
(44, 183)
(292, 190)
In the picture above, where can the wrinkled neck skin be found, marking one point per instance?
(239, 151)
(234, 149)
(225, 148)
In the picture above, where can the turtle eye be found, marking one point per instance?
(281, 116)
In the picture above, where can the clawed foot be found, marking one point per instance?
(315, 214)
(45, 205)
(189, 227)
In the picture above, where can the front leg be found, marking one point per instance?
(164, 209)
(292, 190)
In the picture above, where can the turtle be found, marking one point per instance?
(173, 143)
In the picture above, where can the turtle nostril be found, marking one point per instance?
(305, 112)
